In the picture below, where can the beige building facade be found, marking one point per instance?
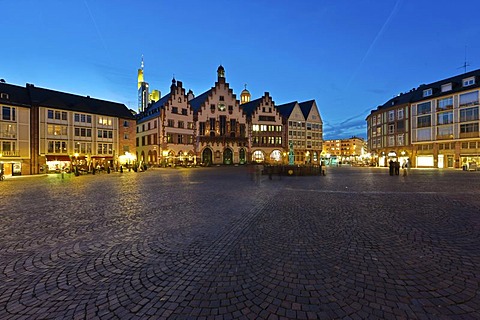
(304, 131)
(14, 130)
(58, 131)
(439, 125)
(346, 151)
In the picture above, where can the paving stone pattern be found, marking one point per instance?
(227, 243)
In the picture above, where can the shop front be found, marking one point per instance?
(446, 161)
(11, 168)
(470, 162)
(425, 161)
(56, 164)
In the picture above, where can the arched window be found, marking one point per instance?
(258, 156)
(276, 156)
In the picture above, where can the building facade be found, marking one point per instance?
(57, 131)
(440, 125)
(215, 128)
(220, 125)
(304, 130)
(267, 140)
(165, 130)
(345, 151)
(15, 137)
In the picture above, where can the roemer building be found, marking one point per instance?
(216, 128)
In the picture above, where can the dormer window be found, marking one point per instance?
(4, 96)
(468, 81)
(446, 87)
(427, 92)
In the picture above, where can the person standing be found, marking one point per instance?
(397, 168)
(391, 167)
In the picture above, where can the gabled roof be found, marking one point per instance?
(15, 95)
(153, 110)
(197, 102)
(286, 109)
(249, 107)
(306, 107)
(67, 101)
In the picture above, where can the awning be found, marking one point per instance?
(102, 157)
(57, 157)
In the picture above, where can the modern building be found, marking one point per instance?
(346, 151)
(45, 130)
(267, 140)
(435, 125)
(15, 151)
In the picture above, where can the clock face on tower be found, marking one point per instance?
(221, 107)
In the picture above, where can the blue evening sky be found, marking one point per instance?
(350, 56)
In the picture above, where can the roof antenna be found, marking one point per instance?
(465, 63)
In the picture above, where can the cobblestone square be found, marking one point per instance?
(227, 243)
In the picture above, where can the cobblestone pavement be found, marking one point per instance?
(224, 243)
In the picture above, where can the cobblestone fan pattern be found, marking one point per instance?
(225, 243)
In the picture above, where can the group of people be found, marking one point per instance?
(394, 167)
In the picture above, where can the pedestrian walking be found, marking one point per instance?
(397, 168)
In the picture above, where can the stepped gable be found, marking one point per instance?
(197, 102)
(249, 107)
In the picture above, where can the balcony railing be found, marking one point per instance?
(445, 108)
(9, 153)
(444, 136)
(469, 135)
